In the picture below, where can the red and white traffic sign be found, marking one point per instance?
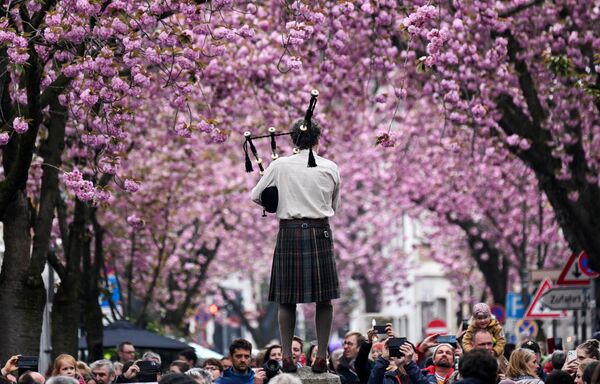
(436, 326)
(537, 309)
(573, 273)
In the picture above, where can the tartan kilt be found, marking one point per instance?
(304, 269)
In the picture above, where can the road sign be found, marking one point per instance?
(526, 327)
(436, 326)
(514, 305)
(584, 265)
(574, 297)
(571, 273)
(498, 312)
(537, 310)
(538, 275)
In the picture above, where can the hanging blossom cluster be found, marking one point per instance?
(132, 52)
(83, 189)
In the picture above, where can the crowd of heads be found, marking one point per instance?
(127, 368)
(478, 354)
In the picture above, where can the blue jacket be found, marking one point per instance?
(230, 377)
(425, 376)
(379, 374)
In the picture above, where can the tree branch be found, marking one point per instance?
(519, 8)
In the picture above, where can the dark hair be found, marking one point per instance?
(595, 376)
(268, 351)
(508, 349)
(531, 345)
(26, 378)
(589, 371)
(308, 138)
(4, 380)
(189, 354)
(176, 378)
(479, 364)
(239, 344)
(122, 344)
(559, 377)
(558, 359)
(591, 348)
(182, 365)
(212, 361)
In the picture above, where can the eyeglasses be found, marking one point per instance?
(348, 343)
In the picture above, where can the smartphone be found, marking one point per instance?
(380, 329)
(554, 344)
(571, 355)
(394, 345)
(148, 371)
(446, 339)
(558, 343)
(465, 324)
(27, 363)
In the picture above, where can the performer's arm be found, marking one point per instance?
(335, 203)
(267, 180)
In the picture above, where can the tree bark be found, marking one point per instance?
(267, 328)
(22, 292)
(175, 317)
(371, 293)
(91, 292)
(66, 308)
(580, 219)
(494, 268)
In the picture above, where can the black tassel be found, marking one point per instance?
(311, 159)
(248, 161)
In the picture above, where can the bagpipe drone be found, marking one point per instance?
(269, 197)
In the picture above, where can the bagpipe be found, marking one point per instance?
(269, 197)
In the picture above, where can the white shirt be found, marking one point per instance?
(309, 193)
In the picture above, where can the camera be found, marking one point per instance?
(380, 329)
(394, 345)
(27, 363)
(271, 368)
(447, 339)
(149, 371)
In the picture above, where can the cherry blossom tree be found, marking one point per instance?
(72, 73)
(100, 98)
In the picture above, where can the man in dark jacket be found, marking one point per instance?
(438, 373)
(240, 372)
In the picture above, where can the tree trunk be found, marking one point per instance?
(579, 219)
(90, 280)
(22, 292)
(267, 329)
(495, 267)
(371, 294)
(66, 308)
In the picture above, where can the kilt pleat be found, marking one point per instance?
(304, 268)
